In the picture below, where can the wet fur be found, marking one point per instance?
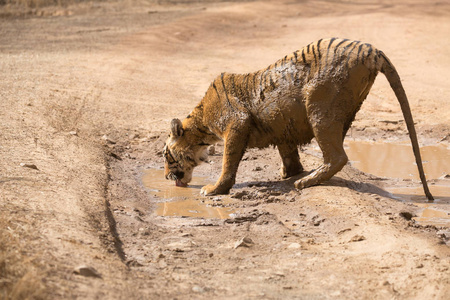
(312, 93)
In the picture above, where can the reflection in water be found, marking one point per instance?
(441, 193)
(185, 202)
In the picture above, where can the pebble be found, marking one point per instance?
(31, 166)
(107, 139)
(211, 150)
(294, 246)
(198, 289)
(357, 238)
(87, 271)
(244, 242)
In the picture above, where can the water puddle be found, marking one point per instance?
(437, 215)
(441, 193)
(185, 202)
(397, 161)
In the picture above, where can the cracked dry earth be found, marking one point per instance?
(86, 100)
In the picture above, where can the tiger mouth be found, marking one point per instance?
(180, 183)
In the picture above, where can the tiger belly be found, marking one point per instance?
(280, 121)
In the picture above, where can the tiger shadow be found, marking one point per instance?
(286, 186)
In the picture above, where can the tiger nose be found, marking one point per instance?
(179, 174)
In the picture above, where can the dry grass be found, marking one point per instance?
(19, 276)
(39, 3)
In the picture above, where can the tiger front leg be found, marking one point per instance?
(235, 145)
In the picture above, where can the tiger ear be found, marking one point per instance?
(176, 128)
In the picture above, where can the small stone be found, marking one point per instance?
(73, 133)
(134, 136)
(445, 176)
(444, 234)
(134, 263)
(87, 271)
(211, 150)
(294, 246)
(107, 139)
(244, 242)
(357, 238)
(344, 230)
(31, 166)
(407, 215)
(198, 289)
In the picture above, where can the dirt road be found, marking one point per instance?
(87, 94)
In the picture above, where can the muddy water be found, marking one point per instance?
(434, 214)
(185, 202)
(397, 161)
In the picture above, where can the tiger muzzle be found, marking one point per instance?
(175, 175)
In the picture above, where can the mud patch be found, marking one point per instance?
(185, 202)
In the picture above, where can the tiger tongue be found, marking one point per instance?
(180, 183)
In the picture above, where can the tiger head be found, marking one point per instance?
(182, 153)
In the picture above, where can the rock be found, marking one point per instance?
(446, 138)
(134, 263)
(31, 166)
(184, 246)
(357, 238)
(87, 271)
(244, 242)
(445, 176)
(240, 194)
(344, 230)
(134, 136)
(407, 215)
(198, 289)
(211, 150)
(294, 246)
(73, 133)
(444, 234)
(108, 140)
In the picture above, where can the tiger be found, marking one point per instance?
(311, 93)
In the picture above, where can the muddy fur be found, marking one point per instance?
(314, 92)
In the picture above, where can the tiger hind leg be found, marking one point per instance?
(290, 160)
(334, 158)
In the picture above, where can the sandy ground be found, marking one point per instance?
(87, 93)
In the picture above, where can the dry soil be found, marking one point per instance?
(87, 93)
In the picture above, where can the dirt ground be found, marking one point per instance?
(87, 93)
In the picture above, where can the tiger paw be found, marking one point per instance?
(208, 190)
(300, 184)
(211, 190)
